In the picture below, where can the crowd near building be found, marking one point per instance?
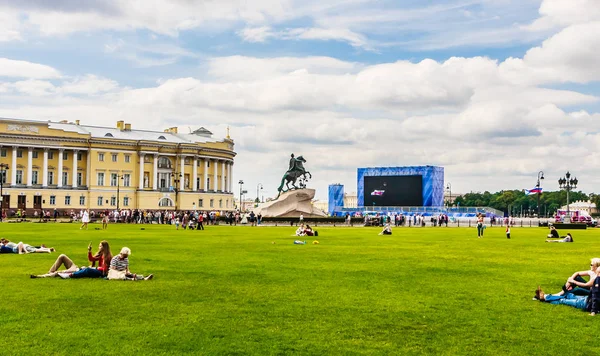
(66, 165)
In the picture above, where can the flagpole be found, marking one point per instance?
(540, 176)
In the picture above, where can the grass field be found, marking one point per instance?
(230, 290)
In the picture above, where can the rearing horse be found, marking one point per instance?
(293, 175)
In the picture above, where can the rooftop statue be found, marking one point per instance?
(295, 172)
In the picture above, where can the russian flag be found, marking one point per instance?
(535, 190)
(378, 192)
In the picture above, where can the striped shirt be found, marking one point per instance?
(119, 264)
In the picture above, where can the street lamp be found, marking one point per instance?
(176, 181)
(540, 176)
(449, 187)
(3, 168)
(241, 183)
(567, 183)
(119, 177)
(258, 196)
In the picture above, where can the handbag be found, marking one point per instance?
(114, 274)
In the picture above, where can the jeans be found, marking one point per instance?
(569, 299)
(576, 289)
(87, 273)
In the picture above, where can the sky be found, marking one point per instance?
(494, 91)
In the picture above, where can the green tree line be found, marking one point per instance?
(516, 201)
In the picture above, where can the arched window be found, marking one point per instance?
(164, 162)
(165, 202)
(162, 138)
(108, 135)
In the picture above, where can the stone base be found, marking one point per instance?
(291, 204)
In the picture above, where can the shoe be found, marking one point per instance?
(33, 276)
(148, 277)
(64, 275)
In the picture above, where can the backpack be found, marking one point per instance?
(316, 233)
(593, 301)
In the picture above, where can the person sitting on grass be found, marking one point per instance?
(308, 231)
(589, 302)
(300, 230)
(553, 233)
(577, 285)
(567, 238)
(119, 268)
(387, 229)
(73, 271)
(22, 248)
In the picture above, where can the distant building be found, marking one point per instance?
(586, 206)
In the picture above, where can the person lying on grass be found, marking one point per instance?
(119, 268)
(567, 238)
(22, 248)
(387, 229)
(589, 302)
(73, 271)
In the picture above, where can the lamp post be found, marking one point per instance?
(449, 187)
(176, 181)
(3, 168)
(241, 183)
(258, 196)
(119, 177)
(567, 183)
(540, 176)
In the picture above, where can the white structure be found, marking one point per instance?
(587, 206)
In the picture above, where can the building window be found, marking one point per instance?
(50, 155)
(220, 203)
(82, 200)
(125, 201)
(52, 200)
(19, 153)
(212, 203)
(200, 203)
(67, 200)
(65, 156)
(207, 183)
(19, 177)
(113, 201)
(127, 158)
(3, 152)
(100, 178)
(114, 157)
(34, 154)
(79, 178)
(3, 177)
(100, 199)
(227, 203)
(208, 164)
(65, 178)
(101, 157)
(50, 177)
(126, 180)
(197, 183)
(34, 177)
(79, 156)
(113, 179)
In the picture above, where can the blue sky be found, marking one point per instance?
(369, 82)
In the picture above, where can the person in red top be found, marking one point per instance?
(103, 257)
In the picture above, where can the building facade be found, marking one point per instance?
(68, 166)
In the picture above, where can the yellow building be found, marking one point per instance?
(69, 166)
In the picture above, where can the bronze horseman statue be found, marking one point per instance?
(296, 170)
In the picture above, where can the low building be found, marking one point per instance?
(586, 206)
(69, 166)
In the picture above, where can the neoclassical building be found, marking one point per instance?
(66, 165)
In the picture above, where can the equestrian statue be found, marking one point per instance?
(295, 171)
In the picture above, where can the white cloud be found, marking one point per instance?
(88, 85)
(563, 13)
(23, 69)
(256, 34)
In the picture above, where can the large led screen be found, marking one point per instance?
(393, 191)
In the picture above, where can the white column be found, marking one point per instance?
(60, 167)
(206, 174)
(194, 174)
(45, 169)
(13, 167)
(29, 166)
(223, 177)
(74, 170)
(88, 173)
(230, 175)
(155, 173)
(182, 173)
(216, 182)
(141, 175)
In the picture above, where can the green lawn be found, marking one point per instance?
(230, 290)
